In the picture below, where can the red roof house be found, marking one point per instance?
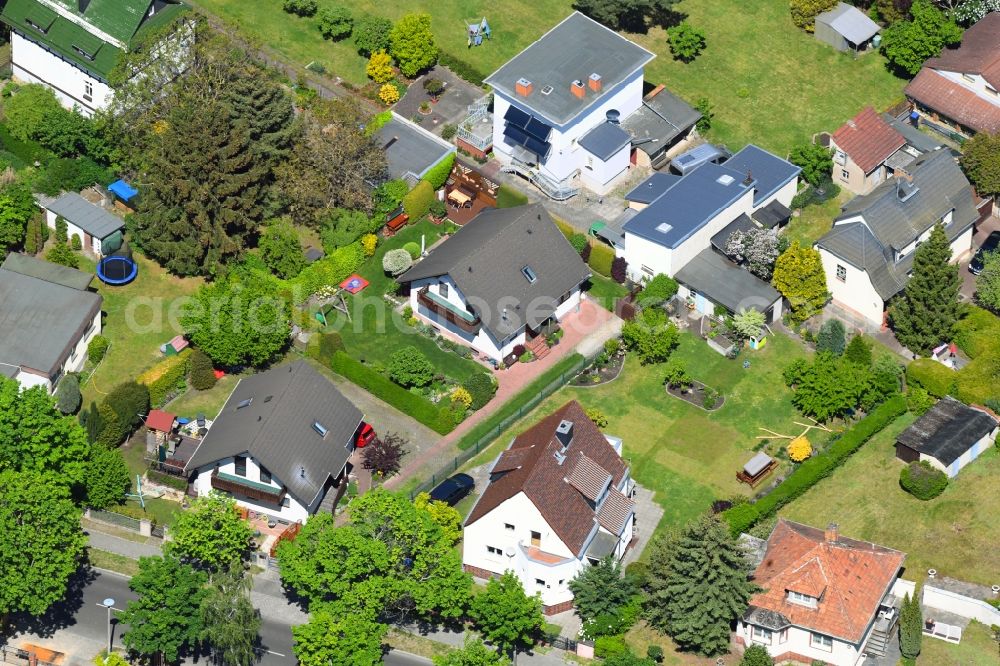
(862, 146)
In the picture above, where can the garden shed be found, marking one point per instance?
(949, 436)
(846, 27)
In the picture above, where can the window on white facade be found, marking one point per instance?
(760, 634)
(443, 289)
(821, 642)
(539, 582)
(783, 636)
(241, 465)
(493, 550)
(536, 539)
(969, 77)
(286, 502)
(845, 175)
(508, 527)
(841, 273)
(801, 599)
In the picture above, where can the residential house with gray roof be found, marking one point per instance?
(280, 443)
(868, 254)
(48, 316)
(499, 281)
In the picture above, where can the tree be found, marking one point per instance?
(384, 456)
(619, 270)
(658, 291)
(332, 639)
(831, 337)
(749, 323)
(411, 44)
(281, 251)
(804, 12)
(910, 627)
(343, 227)
(799, 276)
(815, 161)
(446, 516)
(473, 653)
(756, 655)
(506, 616)
(409, 367)
(201, 373)
(239, 321)
(601, 589)
(371, 34)
(650, 335)
(211, 534)
(599, 418)
(686, 41)
(396, 262)
(828, 387)
(883, 381)
(631, 15)
(35, 437)
(121, 411)
(68, 396)
(300, 7)
(379, 68)
(17, 206)
(61, 254)
(926, 313)
(859, 351)
(434, 88)
(167, 616)
(758, 248)
(676, 375)
(334, 22)
(973, 11)
(108, 478)
(988, 282)
(907, 44)
(41, 542)
(231, 623)
(981, 162)
(706, 584)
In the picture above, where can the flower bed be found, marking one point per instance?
(599, 372)
(699, 395)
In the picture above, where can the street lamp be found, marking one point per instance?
(109, 604)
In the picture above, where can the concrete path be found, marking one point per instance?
(114, 544)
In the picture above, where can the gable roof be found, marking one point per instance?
(978, 53)
(276, 428)
(852, 577)
(850, 23)
(868, 140)
(92, 219)
(954, 100)
(410, 149)
(573, 50)
(42, 318)
(545, 481)
(485, 259)
(855, 244)
(947, 430)
(605, 140)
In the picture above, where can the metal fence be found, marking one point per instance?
(128, 522)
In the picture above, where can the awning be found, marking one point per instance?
(122, 190)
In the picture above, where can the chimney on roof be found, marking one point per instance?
(594, 82)
(564, 433)
(905, 188)
(523, 87)
(578, 89)
(749, 178)
(832, 533)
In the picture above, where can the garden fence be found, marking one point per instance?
(465, 456)
(120, 520)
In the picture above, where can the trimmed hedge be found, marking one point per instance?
(979, 380)
(27, 151)
(437, 419)
(97, 348)
(438, 174)
(922, 480)
(743, 516)
(601, 258)
(417, 202)
(462, 69)
(935, 377)
(330, 270)
(978, 332)
(165, 376)
(567, 230)
(168, 480)
(481, 388)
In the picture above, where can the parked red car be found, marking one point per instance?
(364, 435)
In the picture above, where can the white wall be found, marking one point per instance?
(967, 457)
(856, 291)
(784, 195)
(976, 83)
(78, 356)
(29, 379)
(797, 640)
(599, 176)
(34, 64)
(296, 511)
(961, 605)
(71, 230)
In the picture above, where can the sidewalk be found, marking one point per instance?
(120, 546)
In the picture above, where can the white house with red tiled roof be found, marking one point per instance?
(825, 597)
(559, 499)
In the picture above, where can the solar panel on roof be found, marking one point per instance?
(537, 129)
(516, 116)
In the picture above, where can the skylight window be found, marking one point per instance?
(725, 179)
(529, 274)
(320, 428)
(663, 227)
(244, 403)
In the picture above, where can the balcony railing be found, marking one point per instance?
(463, 319)
(249, 489)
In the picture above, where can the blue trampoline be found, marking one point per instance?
(117, 270)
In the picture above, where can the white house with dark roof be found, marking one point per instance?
(868, 254)
(948, 436)
(99, 231)
(559, 105)
(558, 500)
(279, 445)
(498, 280)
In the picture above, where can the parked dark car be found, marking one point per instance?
(453, 489)
(991, 244)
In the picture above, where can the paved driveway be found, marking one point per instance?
(968, 279)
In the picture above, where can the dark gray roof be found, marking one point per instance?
(914, 137)
(768, 619)
(725, 283)
(663, 116)
(45, 270)
(410, 149)
(771, 215)
(277, 429)
(689, 204)
(850, 22)
(741, 223)
(572, 50)
(605, 140)
(8, 370)
(947, 430)
(41, 321)
(770, 171)
(652, 188)
(856, 245)
(94, 220)
(485, 259)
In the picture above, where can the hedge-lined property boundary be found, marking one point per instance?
(436, 418)
(743, 516)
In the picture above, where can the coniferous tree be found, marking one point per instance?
(910, 626)
(600, 589)
(699, 586)
(268, 110)
(926, 313)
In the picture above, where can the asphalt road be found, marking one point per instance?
(81, 622)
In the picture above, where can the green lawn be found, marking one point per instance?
(605, 291)
(103, 559)
(815, 220)
(955, 533)
(769, 82)
(209, 402)
(977, 647)
(508, 197)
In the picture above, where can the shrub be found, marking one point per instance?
(300, 7)
(448, 131)
(62, 255)
(334, 22)
(756, 655)
(918, 400)
(389, 94)
(330, 270)
(121, 411)
(657, 291)
(597, 416)
(655, 652)
(578, 241)
(935, 377)
(71, 174)
(395, 262)
(526, 357)
(601, 259)
(409, 367)
(438, 209)
(418, 201)
(68, 396)
(922, 480)
(163, 378)
(368, 243)
(200, 371)
(461, 396)
(462, 69)
(977, 332)
(76, 243)
(481, 387)
(168, 480)
(831, 337)
(619, 270)
(381, 387)
(379, 69)
(978, 381)
(686, 41)
(371, 34)
(799, 449)
(97, 348)
(413, 249)
(438, 174)
(609, 646)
